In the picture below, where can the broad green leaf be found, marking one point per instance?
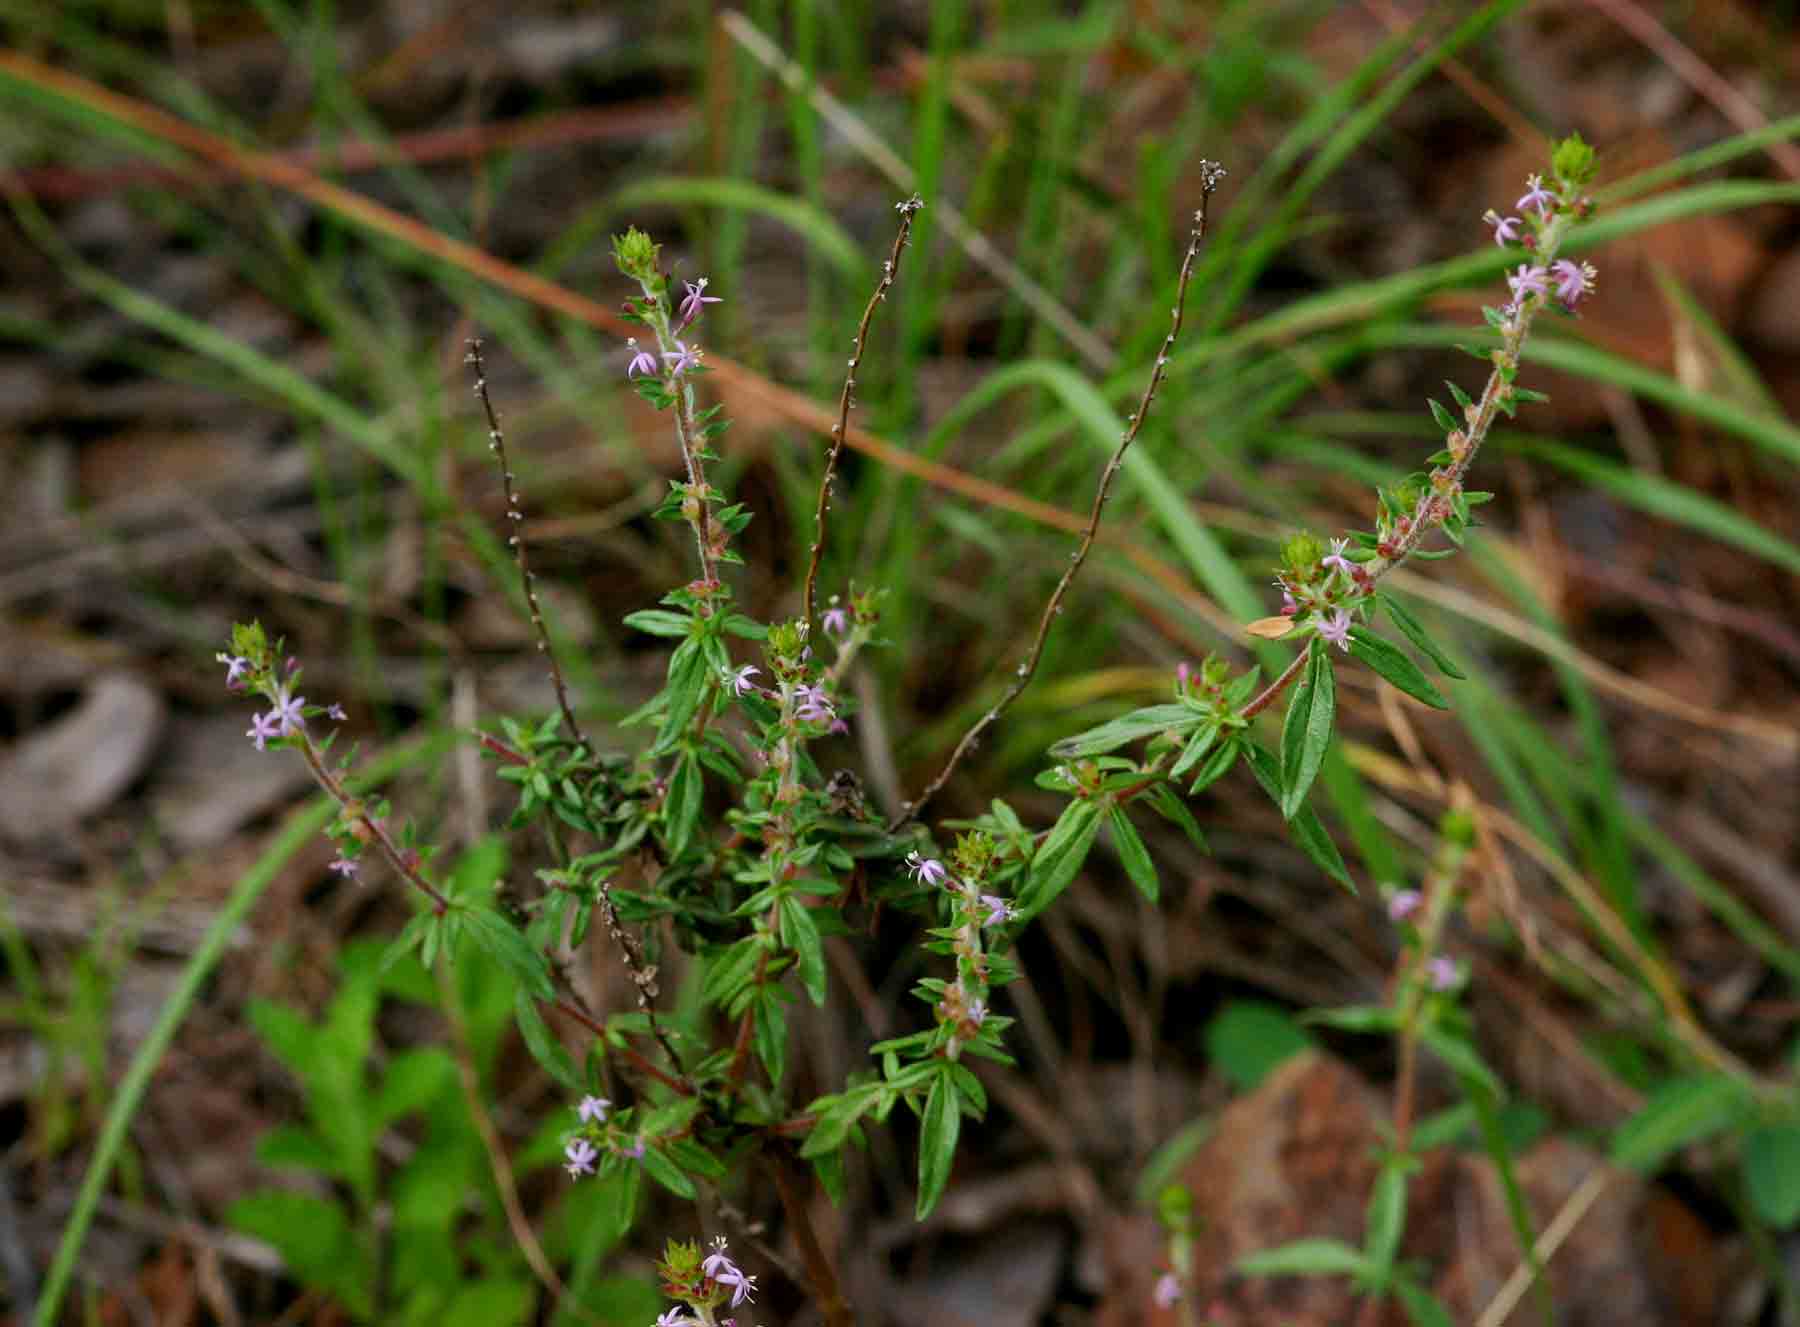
(1305, 1257)
(295, 1147)
(501, 941)
(769, 1030)
(1060, 856)
(409, 1082)
(938, 1133)
(1249, 1039)
(1772, 1173)
(1414, 632)
(491, 1301)
(1132, 853)
(1683, 1111)
(314, 1238)
(1307, 730)
(1387, 660)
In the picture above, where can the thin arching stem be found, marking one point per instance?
(515, 519)
(1211, 174)
(889, 270)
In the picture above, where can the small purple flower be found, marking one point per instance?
(1336, 558)
(344, 866)
(1167, 1292)
(927, 871)
(1182, 674)
(837, 621)
(999, 910)
(685, 356)
(1506, 229)
(582, 1155)
(742, 1287)
(977, 1012)
(592, 1110)
(287, 714)
(1334, 629)
(838, 728)
(262, 728)
(1537, 196)
(1440, 972)
(235, 668)
(740, 681)
(1404, 904)
(636, 1150)
(815, 705)
(642, 361)
(696, 297)
(1573, 280)
(335, 712)
(674, 1318)
(1528, 280)
(719, 1260)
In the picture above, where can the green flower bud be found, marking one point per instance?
(636, 254)
(1573, 162)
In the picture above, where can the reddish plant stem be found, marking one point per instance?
(829, 1298)
(401, 861)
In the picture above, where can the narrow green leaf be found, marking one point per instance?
(1683, 1111)
(1772, 1173)
(660, 622)
(1422, 1307)
(666, 1173)
(1216, 766)
(1459, 1053)
(1164, 801)
(1446, 421)
(1387, 660)
(769, 1031)
(543, 1045)
(1307, 730)
(1116, 733)
(1132, 852)
(685, 690)
(1198, 744)
(801, 933)
(1059, 856)
(1305, 1257)
(1308, 830)
(937, 1143)
(1385, 1221)
(681, 808)
(1414, 632)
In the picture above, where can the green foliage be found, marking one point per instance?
(1249, 1039)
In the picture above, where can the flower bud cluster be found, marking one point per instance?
(962, 1004)
(701, 1285)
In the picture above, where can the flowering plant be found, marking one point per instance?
(723, 836)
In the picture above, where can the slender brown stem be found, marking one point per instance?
(376, 831)
(829, 1298)
(516, 539)
(1211, 174)
(1275, 688)
(643, 976)
(698, 513)
(889, 270)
